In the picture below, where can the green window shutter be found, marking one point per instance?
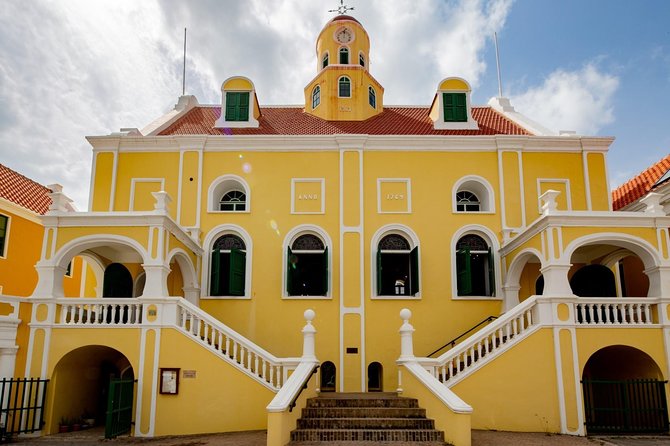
(455, 109)
(414, 271)
(3, 232)
(464, 274)
(238, 261)
(379, 273)
(492, 275)
(232, 106)
(215, 273)
(290, 272)
(324, 272)
(243, 113)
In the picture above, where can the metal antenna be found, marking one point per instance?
(495, 38)
(183, 78)
(342, 9)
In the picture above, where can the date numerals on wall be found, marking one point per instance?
(395, 196)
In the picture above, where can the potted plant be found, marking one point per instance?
(64, 425)
(76, 424)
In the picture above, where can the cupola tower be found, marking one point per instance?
(343, 89)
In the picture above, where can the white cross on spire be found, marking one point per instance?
(342, 9)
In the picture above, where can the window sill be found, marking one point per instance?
(229, 212)
(394, 297)
(225, 298)
(491, 298)
(474, 212)
(307, 298)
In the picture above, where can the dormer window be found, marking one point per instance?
(324, 61)
(316, 97)
(237, 106)
(455, 108)
(344, 56)
(344, 87)
(361, 60)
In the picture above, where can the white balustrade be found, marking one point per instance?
(113, 312)
(613, 312)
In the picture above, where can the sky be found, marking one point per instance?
(73, 68)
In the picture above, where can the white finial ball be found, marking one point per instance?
(405, 314)
(309, 315)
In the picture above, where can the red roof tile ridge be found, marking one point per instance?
(640, 184)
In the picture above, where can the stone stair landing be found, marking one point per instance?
(364, 418)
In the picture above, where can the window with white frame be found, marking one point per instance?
(475, 268)
(307, 266)
(344, 56)
(361, 59)
(228, 266)
(228, 193)
(473, 193)
(324, 61)
(316, 97)
(4, 225)
(466, 201)
(397, 266)
(344, 87)
(372, 97)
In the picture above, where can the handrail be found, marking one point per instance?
(304, 386)
(453, 341)
(293, 386)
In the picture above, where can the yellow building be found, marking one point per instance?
(217, 226)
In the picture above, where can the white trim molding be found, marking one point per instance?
(133, 184)
(290, 237)
(408, 192)
(223, 184)
(568, 194)
(491, 239)
(309, 180)
(408, 234)
(205, 274)
(479, 186)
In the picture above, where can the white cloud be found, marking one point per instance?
(82, 67)
(571, 100)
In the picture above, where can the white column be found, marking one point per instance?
(659, 281)
(156, 280)
(7, 361)
(49, 281)
(556, 281)
(192, 294)
(511, 293)
(406, 341)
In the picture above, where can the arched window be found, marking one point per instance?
(466, 201)
(117, 282)
(228, 266)
(361, 59)
(328, 377)
(228, 193)
(316, 97)
(344, 56)
(372, 97)
(397, 267)
(234, 201)
(344, 89)
(307, 267)
(474, 267)
(324, 61)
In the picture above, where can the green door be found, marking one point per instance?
(119, 407)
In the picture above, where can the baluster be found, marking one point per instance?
(219, 340)
(629, 318)
(501, 336)
(606, 314)
(235, 345)
(620, 309)
(479, 349)
(443, 372)
(249, 354)
(227, 351)
(591, 319)
(638, 313)
(529, 315)
(182, 315)
(256, 364)
(243, 355)
(63, 314)
(272, 375)
(647, 314)
(264, 372)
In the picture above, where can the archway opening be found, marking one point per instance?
(81, 384)
(117, 282)
(328, 377)
(593, 281)
(624, 392)
(375, 377)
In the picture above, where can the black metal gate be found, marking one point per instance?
(21, 406)
(119, 414)
(626, 406)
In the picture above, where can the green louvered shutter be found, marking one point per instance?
(492, 275)
(215, 286)
(3, 233)
(290, 271)
(324, 272)
(379, 273)
(232, 106)
(448, 103)
(414, 271)
(464, 273)
(460, 110)
(238, 260)
(243, 111)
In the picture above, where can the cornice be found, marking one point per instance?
(19, 211)
(598, 219)
(118, 219)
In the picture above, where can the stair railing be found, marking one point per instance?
(462, 335)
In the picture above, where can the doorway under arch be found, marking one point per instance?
(375, 377)
(593, 281)
(328, 377)
(81, 383)
(624, 392)
(117, 281)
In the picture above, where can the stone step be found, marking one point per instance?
(364, 412)
(365, 423)
(377, 435)
(365, 443)
(362, 402)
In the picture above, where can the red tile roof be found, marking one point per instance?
(293, 121)
(23, 191)
(639, 186)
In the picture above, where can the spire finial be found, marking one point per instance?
(342, 9)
